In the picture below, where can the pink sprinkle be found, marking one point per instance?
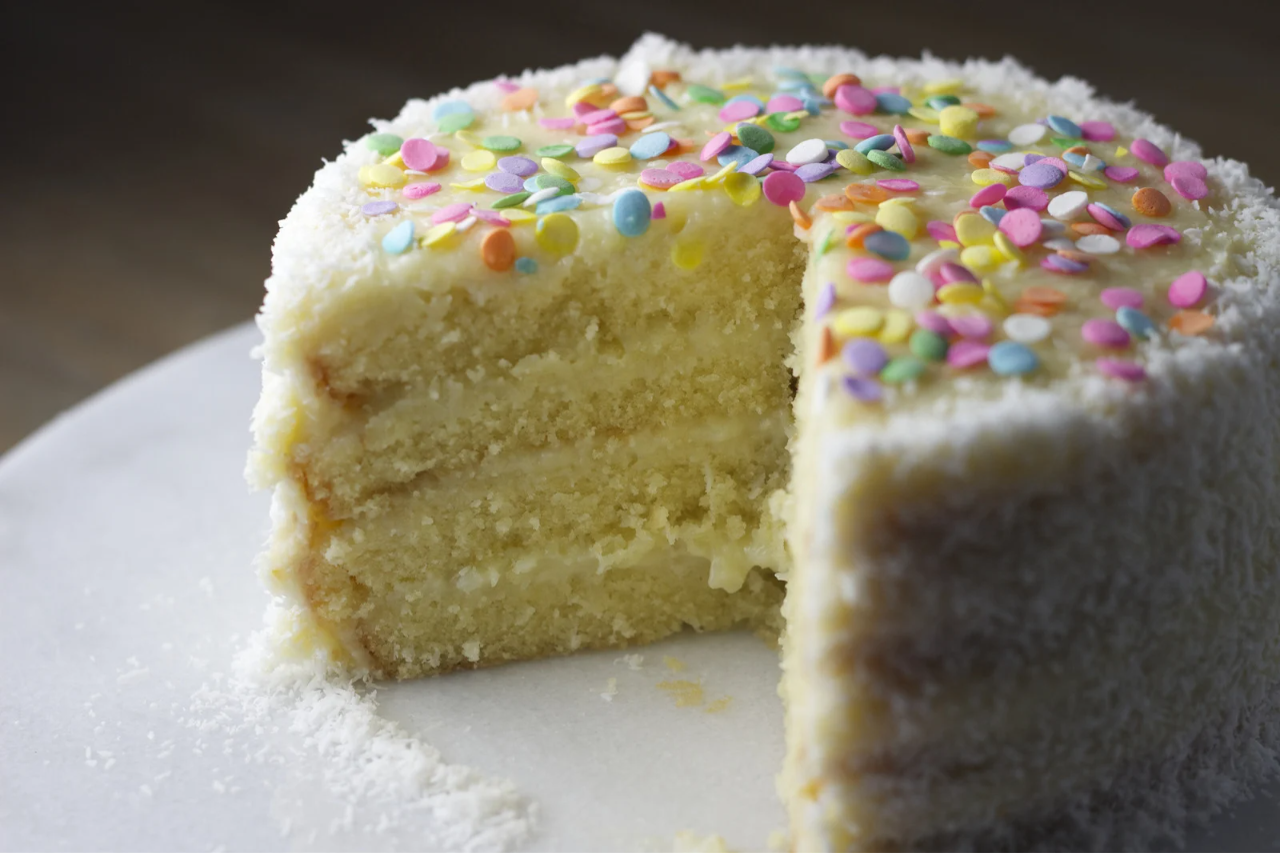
(686, 170)
(934, 322)
(858, 129)
(1148, 152)
(1116, 369)
(506, 85)
(1022, 226)
(659, 210)
(420, 190)
(562, 123)
(715, 145)
(941, 231)
(1120, 174)
(493, 217)
(988, 195)
(952, 272)
(613, 125)
(999, 167)
(1105, 333)
(1028, 198)
(866, 270)
(419, 154)
(1116, 298)
(1104, 217)
(1187, 168)
(1056, 162)
(582, 108)
(451, 213)
(965, 354)
(661, 179)
(739, 111)
(898, 185)
(855, 100)
(783, 104)
(597, 116)
(1189, 187)
(1188, 289)
(904, 145)
(976, 326)
(1098, 131)
(782, 188)
(1145, 236)
(887, 90)
(782, 165)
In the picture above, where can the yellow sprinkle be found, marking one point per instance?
(557, 233)
(585, 93)
(980, 259)
(993, 297)
(1121, 151)
(720, 175)
(615, 156)
(925, 114)
(632, 116)
(1008, 248)
(897, 326)
(743, 189)
(987, 177)
(949, 244)
(516, 216)
(942, 87)
(899, 218)
(740, 83)
(973, 230)
(479, 161)
(686, 186)
(855, 161)
(467, 137)
(1089, 181)
(560, 170)
(847, 217)
(381, 175)
(687, 253)
(474, 186)
(906, 200)
(960, 293)
(855, 322)
(957, 121)
(437, 234)
(395, 160)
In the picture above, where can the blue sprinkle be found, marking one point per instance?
(752, 98)
(992, 214)
(889, 245)
(398, 239)
(1010, 358)
(739, 154)
(650, 145)
(995, 146)
(528, 266)
(1074, 158)
(813, 104)
(1135, 322)
(661, 96)
(888, 102)
(835, 144)
(448, 108)
(558, 204)
(941, 102)
(879, 142)
(786, 71)
(631, 213)
(1066, 127)
(1124, 220)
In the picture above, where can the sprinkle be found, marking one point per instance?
(898, 218)
(479, 161)
(942, 231)
(892, 103)
(897, 326)
(1022, 226)
(631, 213)
(1026, 328)
(381, 175)
(889, 245)
(520, 166)
(1151, 202)
(559, 123)
(864, 356)
(910, 290)
(1097, 131)
(660, 179)
(898, 185)
(1146, 236)
(861, 389)
(559, 204)
(659, 210)
(715, 145)
(783, 122)
(498, 250)
(988, 195)
(437, 234)
(664, 98)
(1041, 176)
(1191, 323)
(1124, 370)
(928, 345)
(1120, 174)
(1189, 187)
(687, 170)
(756, 138)
(1062, 264)
(949, 144)
(451, 213)
(1121, 297)
(854, 99)
(782, 188)
(1027, 134)
(1065, 127)
(976, 325)
(385, 144)
(615, 156)
(885, 160)
(455, 122)
(650, 145)
(491, 216)
(1148, 152)
(1135, 322)
(933, 261)
(904, 145)
(1026, 198)
(398, 240)
(554, 151)
(1011, 358)
(881, 141)
(1107, 216)
(756, 166)
(862, 320)
(686, 253)
(1188, 289)
(526, 265)
(744, 189)
(503, 182)
(934, 321)
(378, 208)
(510, 200)
(1105, 333)
(422, 155)
(500, 143)
(520, 99)
(1098, 244)
(960, 293)
(987, 177)
(869, 270)
(973, 230)
(557, 168)
(958, 121)
(809, 151)
(590, 146)
(858, 129)
(903, 368)
(420, 190)
(826, 300)
(1187, 168)
(855, 162)
(704, 94)
(557, 233)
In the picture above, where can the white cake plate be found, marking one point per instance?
(127, 537)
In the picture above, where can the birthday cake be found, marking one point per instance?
(960, 380)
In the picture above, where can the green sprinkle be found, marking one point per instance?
(828, 243)
(924, 114)
(385, 144)
(782, 122)
(755, 137)
(544, 181)
(904, 368)
(510, 200)
(941, 102)
(949, 144)
(454, 122)
(705, 94)
(1064, 142)
(885, 160)
(928, 345)
(500, 143)
(555, 152)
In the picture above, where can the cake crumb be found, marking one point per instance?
(610, 690)
(718, 705)
(674, 664)
(687, 841)
(686, 693)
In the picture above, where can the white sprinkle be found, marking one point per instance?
(1068, 205)
(935, 259)
(1092, 164)
(1027, 134)
(662, 125)
(1014, 161)
(910, 290)
(1026, 328)
(1098, 244)
(540, 195)
(809, 151)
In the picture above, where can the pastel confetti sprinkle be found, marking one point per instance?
(650, 145)
(631, 213)
(1026, 328)
(1105, 333)
(869, 270)
(1188, 289)
(864, 357)
(399, 239)
(1146, 236)
(1026, 198)
(1148, 152)
(379, 208)
(782, 188)
(413, 192)
(862, 389)
(526, 266)
(1041, 176)
(1190, 187)
(1010, 358)
(1185, 168)
(1134, 322)
(1121, 297)
(1127, 371)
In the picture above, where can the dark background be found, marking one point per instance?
(149, 150)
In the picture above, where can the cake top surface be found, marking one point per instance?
(970, 225)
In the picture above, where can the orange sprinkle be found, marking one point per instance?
(980, 159)
(1043, 295)
(662, 77)
(1191, 322)
(683, 146)
(859, 233)
(608, 90)
(833, 202)
(801, 218)
(640, 123)
(983, 110)
(1151, 202)
(1083, 228)
(1077, 149)
(826, 346)
(520, 99)
(1082, 257)
(917, 135)
(1041, 309)
(498, 248)
(865, 193)
(835, 81)
(629, 104)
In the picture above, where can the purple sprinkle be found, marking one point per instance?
(1059, 263)
(811, 172)
(378, 208)
(1040, 176)
(866, 390)
(522, 166)
(504, 182)
(592, 145)
(783, 166)
(758, 165)
(864, 356)
(826, 300)
(1028, 159)
(934, 322)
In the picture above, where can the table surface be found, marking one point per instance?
(157, 146)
